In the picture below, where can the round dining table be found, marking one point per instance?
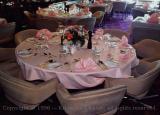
(65, 18)
(44, 60)
(75, 13)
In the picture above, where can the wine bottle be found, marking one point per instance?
(89, 46)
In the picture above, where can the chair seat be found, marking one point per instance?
(148, 49)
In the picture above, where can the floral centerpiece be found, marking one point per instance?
(44, 34)
(73, 35)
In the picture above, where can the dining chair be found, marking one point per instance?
(148, 50)
(50, 24)
(27, 95)
(8, 62)
(108, 13)
(24, 34)
(119, 7)
(140, 31)
(7, 33)
(7, 55)
(97, 102)
(139, 85)
(116, 32)
(88, 23)
(129, 7)
(109, 7)
(138, 12)
(38, 22)
(96, 8)
(99, 18)
(30, 19)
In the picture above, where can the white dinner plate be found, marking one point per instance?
(110, 64)
(53, 65)
(24, 53)
(30, 39)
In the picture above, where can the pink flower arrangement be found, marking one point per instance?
(124, 42)
(44, 34)
(98, 34)
(124, 56)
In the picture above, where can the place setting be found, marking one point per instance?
(24, 53)
(50, 64)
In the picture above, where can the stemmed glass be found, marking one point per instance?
(61, 29)
(97, 50)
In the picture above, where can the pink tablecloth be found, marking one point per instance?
(32, 66)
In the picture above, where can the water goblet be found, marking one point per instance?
(61, 29)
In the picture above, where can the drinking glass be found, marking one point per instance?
(61, 29)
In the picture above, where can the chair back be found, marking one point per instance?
(39, 22)
(94, 9)
(119, 6)
(102, 101)
(140, 31)
(22, 35)
(28, 14)
(99, 17)
(138, 12)
(130, 6)
(88, 23)
(144, 75)
(146, 80)
(25, 94)
(7, 32)
(148, 49)
(109, 8)
(7, 54)
(50, 24)
(30, 19)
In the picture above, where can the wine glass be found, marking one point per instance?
(61, 29)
